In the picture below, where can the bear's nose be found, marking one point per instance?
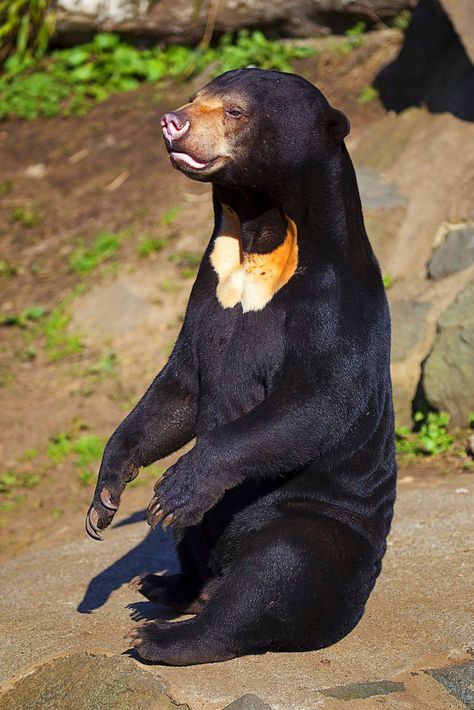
(173, 126)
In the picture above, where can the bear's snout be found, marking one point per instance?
(173, 126)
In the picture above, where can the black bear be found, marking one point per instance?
(281, 372)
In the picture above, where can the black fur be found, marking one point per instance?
(283, 506)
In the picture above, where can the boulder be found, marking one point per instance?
(448, 373)
(88, 681)
(454, 254)
(184, 21)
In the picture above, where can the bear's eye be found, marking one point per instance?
(234, 112)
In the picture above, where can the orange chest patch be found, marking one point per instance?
(251, 279)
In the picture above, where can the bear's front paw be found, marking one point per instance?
(100, 513)
(180, 499)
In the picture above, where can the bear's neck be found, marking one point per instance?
(321, 199)
(324, 202)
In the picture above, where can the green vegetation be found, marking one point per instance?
(7, 270)
(26, 216)
(23, 319)
(387, 280)
(12, 480)
(354, 37)
(187, 261)
(83, 451)
(402, 20)
(6, 186)
(68, 81)
(170, 286)
(58, 342)
(85, 259)
(26, 27)
(430, 437)
(107, 364)
(170, 216)
(367, 95)
(149, 245)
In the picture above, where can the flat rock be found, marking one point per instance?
(74, 598)
(448, 372)
(89, 681)
(454, 254)
(110, 309)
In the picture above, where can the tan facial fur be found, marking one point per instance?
(249, 278)
(211, 131)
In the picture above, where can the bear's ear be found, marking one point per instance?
(337, 124)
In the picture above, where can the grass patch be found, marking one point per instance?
(58, 342)
(83, 451)
(6, 186)
(23, 319)
(150, 245)
(85, 259)
(188, 263)
(170, 286)
(14, 480)
(26, 216)
(69, 81)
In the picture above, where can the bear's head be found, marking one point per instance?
(251, 128)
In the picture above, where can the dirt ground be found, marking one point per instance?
(66, 180)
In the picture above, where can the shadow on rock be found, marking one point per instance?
(433, 68)
(148, 611)
(155, 552)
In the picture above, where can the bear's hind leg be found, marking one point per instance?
(299, 584)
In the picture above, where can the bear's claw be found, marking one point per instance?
(92, 519)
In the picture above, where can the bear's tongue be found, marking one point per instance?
(188, 160)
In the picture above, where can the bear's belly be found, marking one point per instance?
(238, 362)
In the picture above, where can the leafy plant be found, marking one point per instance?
(355, 34)
(69, 80)
(387, 280)
(254, 49)
(430, 437)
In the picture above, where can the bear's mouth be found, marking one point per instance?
(182, 159)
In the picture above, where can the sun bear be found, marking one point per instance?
(281, 372)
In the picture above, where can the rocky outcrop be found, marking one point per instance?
(448, 377)
(184, 21)
(435, 65)
(416, 181)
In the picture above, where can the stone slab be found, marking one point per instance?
(74, 598)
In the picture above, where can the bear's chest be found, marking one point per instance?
(251, 278)
(238, 356)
